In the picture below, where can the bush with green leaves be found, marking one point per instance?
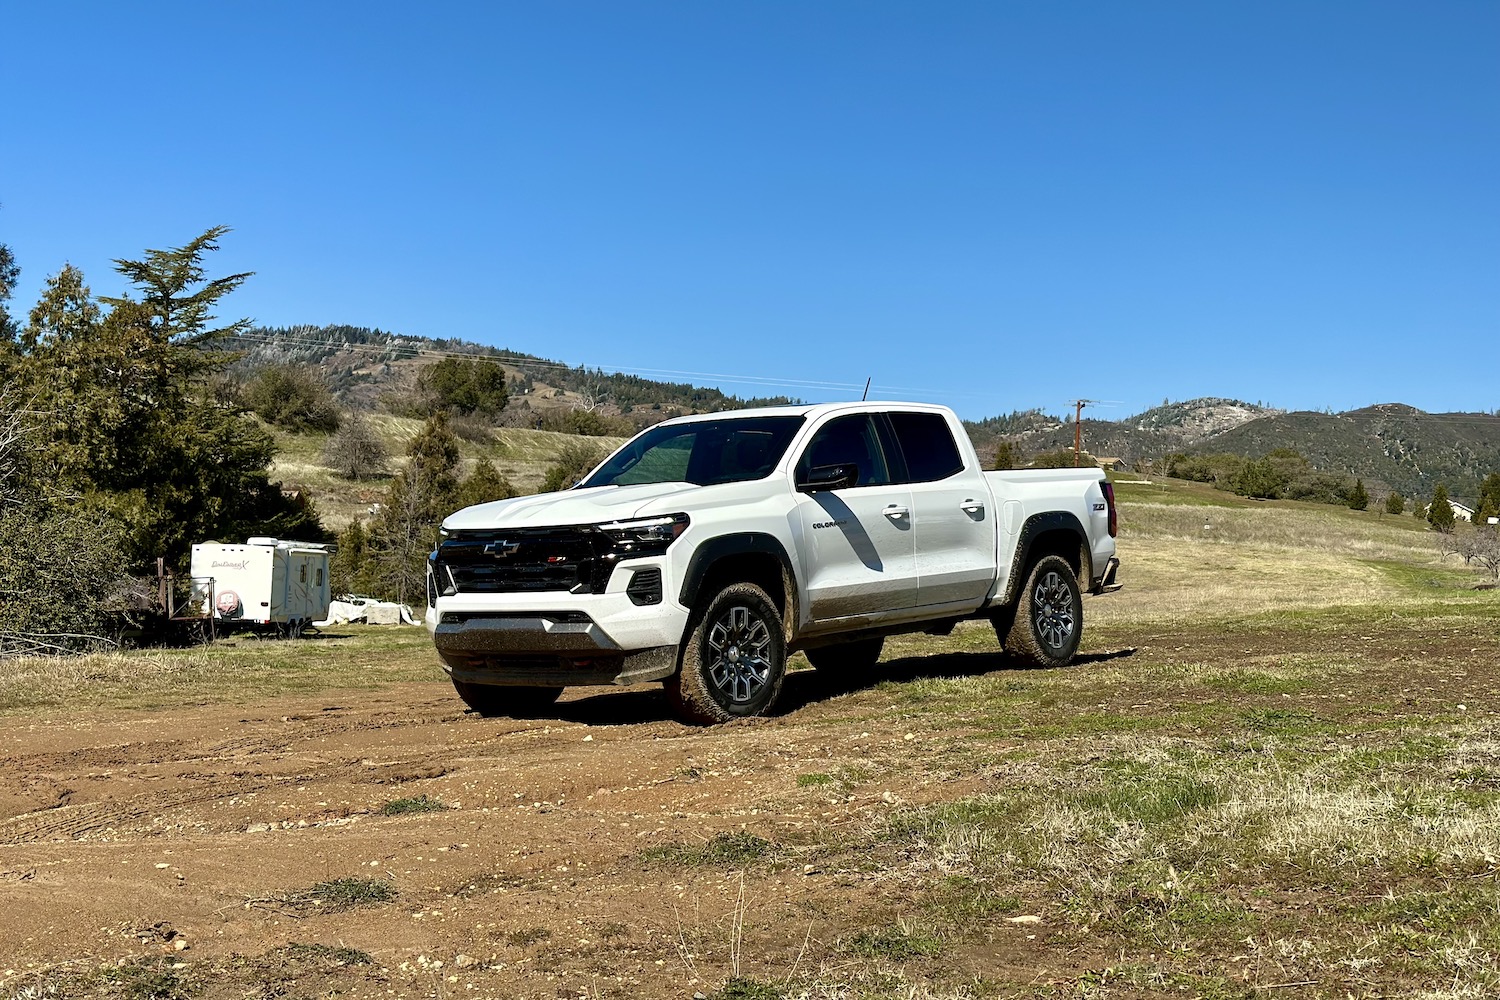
(294, 397)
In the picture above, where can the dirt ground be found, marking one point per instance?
(191, 832)
(194, 837)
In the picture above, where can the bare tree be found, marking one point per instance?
(594, 390)
(1488, 549)
(12, 434)
(355, 451)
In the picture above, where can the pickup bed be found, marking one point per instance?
(709, 548)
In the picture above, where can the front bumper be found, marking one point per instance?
(556, 639)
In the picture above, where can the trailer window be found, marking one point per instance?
(318, 578)
(302, 575)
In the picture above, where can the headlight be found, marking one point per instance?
(647, 536)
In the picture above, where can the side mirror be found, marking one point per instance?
(829, 477)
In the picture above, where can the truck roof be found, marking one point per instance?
(810, 410)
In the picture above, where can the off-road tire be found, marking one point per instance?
(847, 658)
(734, 660)
(1048, 621)
(502, 700)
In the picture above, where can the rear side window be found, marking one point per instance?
(927, 445)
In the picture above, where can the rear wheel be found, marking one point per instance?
(847, 657)
(1048, 619)
(734, 659)
(491, 700)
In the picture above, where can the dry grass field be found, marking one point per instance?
(1275, 772)
(523, 456)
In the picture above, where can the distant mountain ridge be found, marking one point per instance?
(1391, 446)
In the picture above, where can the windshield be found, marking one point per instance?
(702, 452)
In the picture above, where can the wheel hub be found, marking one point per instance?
(1052, 611)
(739, 653)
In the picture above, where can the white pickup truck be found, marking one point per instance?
(709, 548)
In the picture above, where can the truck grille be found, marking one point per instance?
(532, 560)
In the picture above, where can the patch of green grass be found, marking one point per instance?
(348, 893)
(1280, 721)
(813, 780)
(417, 804)
(1248, 680)
(148, 979)
(724, 850)
(325, 954)
(1151, 801)
(1425, 579)
(743, 988)
(895, 944)
(965, 903)
(527, 936)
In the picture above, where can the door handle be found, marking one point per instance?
(896, 512)
(971, 506)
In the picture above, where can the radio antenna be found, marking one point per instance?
(867, 390)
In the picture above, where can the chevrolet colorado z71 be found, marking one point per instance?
(709, 548)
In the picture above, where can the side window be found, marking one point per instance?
(927, 445)
(319, 581)
(844, 441)
(302, 576)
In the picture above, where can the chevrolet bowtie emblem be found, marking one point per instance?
(502, 548)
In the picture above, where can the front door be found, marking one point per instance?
(858, 550)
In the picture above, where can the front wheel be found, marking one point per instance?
(734, 659)
(492, 700)
(1048, 619)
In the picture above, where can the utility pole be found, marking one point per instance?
(1079, 404)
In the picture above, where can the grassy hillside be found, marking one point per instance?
(1391, 446)
(522, 456)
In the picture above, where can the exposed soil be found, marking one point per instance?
(196, 834)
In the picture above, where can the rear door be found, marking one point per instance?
(858, 552)
(953, 526)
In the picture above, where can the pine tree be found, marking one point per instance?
(9, 272)
(1440, 514)
(483, 485)
(1395, 503)
(419, 498)
(1489, 499)
(66, 312)
(133, 412)
(1359, 499)
(1005, 456)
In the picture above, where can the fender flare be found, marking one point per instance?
(1037, 525)
(714, 550)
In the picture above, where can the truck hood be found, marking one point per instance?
(590, 506)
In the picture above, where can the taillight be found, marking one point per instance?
(1109, 499)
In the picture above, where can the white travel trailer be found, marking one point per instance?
(263, 582)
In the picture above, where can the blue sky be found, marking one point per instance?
(993, 205)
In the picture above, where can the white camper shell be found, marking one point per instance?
(263, 582)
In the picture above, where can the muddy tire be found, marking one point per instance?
(1048, 620)
(847, 658)
(734, 659)
(502, 700)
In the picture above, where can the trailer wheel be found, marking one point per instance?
(502, 700)
(1048, 619)
(734, 659)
